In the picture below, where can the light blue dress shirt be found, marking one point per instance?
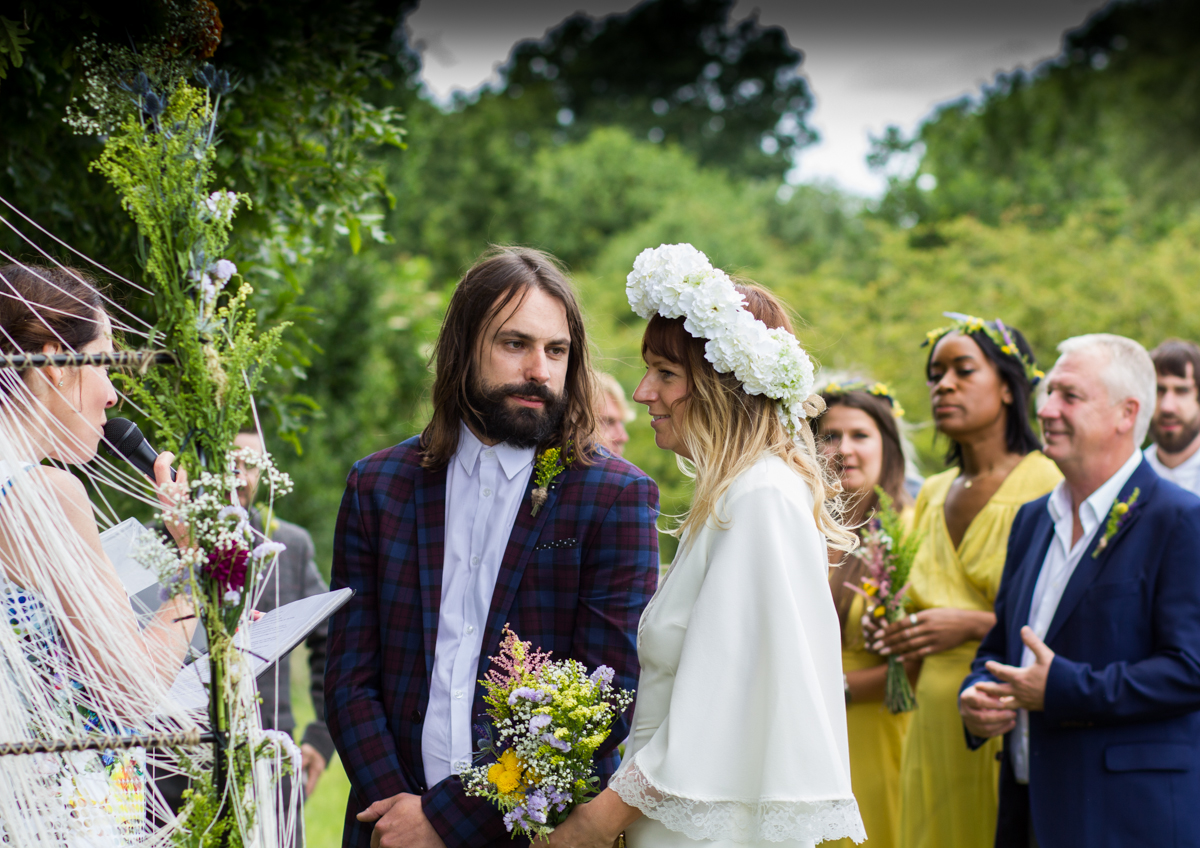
(484, 489)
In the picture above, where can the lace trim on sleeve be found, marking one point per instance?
(738, 821)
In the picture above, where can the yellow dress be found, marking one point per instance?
(949, 794)
(876, 740)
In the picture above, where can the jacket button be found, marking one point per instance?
(417, 716)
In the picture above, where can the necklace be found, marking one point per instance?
(966, 484)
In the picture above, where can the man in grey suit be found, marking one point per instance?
(295, 577)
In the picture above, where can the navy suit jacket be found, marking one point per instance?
(573, 581)
(1115, 755)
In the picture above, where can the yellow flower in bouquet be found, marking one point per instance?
(506, 773)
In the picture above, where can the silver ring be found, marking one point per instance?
(912, 619)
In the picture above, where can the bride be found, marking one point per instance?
(739, 734)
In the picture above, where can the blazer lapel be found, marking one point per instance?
(431, 552)
(1035, 556)
(1092, 564)
(521, 542)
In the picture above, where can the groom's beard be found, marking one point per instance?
(499, 419)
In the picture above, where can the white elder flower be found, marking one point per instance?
(221, 204)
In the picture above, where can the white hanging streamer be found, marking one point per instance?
(75, 657)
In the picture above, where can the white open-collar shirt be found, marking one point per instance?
(484, 489)
(1057, 568)
(1185, 474)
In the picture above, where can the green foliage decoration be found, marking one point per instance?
(159, 158)
(161, 166)
(13, 41)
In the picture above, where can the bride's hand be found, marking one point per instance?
(578, 831)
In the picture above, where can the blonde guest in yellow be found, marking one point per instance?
(981, 377)
(860, 435)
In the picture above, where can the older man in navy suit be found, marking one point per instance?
(1092, 670)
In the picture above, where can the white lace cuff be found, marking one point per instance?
(739, 821)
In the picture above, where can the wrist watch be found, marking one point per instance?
(846, 686)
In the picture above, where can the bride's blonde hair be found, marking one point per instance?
(727, 430)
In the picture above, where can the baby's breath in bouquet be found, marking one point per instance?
(549, 719)
(887, 551)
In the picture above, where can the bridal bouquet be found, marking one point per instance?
(549, 717)
(887, 551)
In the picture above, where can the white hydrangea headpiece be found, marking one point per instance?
(678, 281)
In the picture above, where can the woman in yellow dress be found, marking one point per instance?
(981, 377)
(861, 437)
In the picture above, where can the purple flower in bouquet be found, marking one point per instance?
(227, 566)
(538, 722)
(536, 806)
(528, 694)
(557, 798)
(603, 675)
(555, 742)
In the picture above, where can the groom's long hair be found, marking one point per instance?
(500, 277)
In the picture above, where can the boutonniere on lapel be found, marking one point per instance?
(1116, 518)
(548, 465)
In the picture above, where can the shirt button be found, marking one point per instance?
(474, 560)
(487, 493)
(489, 453)
(470, 628)
(458, 694)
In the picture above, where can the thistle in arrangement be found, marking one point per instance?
(888, 550)
(549, 718)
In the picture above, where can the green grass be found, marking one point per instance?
(326, 809)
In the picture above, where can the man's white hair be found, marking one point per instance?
(1128, 373)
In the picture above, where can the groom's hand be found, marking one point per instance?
(400, 823)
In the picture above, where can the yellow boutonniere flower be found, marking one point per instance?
(548, 465)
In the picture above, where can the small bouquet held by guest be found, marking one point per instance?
(887, 551)
(550, 717)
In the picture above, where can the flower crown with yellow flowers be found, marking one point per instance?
(879, 390)
(1000, 335)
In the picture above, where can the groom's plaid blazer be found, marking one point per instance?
(574, 581)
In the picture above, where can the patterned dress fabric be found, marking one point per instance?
(103, 792)
(949, 794)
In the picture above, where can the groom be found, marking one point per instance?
(439, 538)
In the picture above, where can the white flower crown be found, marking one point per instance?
(678, 281)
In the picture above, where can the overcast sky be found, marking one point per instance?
(869, 63)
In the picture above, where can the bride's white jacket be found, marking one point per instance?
(739, 732)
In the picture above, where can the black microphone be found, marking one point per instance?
(124, 440)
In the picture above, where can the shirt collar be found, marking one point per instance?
(1099, 502)
(513, 460)
(1189, 464)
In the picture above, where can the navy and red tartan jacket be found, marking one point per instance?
(574, 581)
